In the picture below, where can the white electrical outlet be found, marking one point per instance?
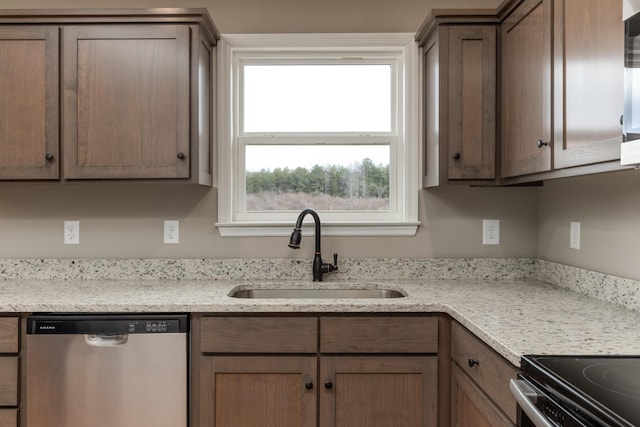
(490, 231)
(574, 235)
(171, 231)
(72, 232)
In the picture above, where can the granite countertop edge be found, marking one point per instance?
(512, 316)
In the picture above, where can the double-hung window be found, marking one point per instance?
(321, 121)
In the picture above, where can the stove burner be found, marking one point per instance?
(615, 377)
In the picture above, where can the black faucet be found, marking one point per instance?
(318, 266)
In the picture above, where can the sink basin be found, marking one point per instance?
(274, 293)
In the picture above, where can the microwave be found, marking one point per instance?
(630, 149)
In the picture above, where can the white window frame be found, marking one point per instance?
(402, 217)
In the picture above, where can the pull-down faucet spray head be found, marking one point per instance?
(296, 237)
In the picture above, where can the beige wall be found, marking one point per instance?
(125, 220)
(608, 207)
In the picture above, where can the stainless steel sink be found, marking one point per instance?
(276, 293)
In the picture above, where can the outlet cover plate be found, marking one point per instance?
(490, 231)
(574, 235)
(72, 232)
(171, 232)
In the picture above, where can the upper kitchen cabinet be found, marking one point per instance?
(459, 66)
(126, 101)
(29, 109)
(526, 89)
(136, 94)
(588, 81)
(562, 87)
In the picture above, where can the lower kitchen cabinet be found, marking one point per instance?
(258, 391)
(315, 371)
(471, 407)
(480, 378)
(378, 391)
(9, 371)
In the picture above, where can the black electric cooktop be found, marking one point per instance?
(602, 388)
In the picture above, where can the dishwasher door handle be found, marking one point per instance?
(523, 393)
(106, 340)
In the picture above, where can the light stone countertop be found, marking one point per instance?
(513, 316)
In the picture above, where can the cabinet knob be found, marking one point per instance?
(328, 385)
(181, 156)
(542, 143)
(308, 385)
(473, 362)
(48, 156)
(457, 156)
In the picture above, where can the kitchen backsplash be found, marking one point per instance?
(618, 290)
(621, 291)
(264, 269)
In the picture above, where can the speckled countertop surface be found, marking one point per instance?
(513, 316)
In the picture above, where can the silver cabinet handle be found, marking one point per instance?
(521, 391)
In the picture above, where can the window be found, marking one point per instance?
(321, 121)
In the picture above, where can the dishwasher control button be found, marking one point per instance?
(132, 327)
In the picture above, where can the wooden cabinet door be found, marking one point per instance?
(246, 391)
(9, 378)
(526, 90)
(378, 391)
(470, 407)
(472, 102)
(588, 81)
(29, 137)
(126, 101)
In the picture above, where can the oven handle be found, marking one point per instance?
(524, 395)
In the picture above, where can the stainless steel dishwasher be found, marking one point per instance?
(107, 370)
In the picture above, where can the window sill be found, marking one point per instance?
(278, 229)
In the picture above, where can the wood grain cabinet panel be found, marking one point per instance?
(378, 391)
(126, 101)
(472, 102)
(9, 381)
(471, 407)
(460, 66)
(526, 90)
(258, 391)
(29, 112)
(378, 335)
(9, 334)
(259, 335)
(588, 81)
(8, 417)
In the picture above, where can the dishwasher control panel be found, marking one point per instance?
(111, 324)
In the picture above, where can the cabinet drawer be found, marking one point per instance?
(8, 381)
(491, 372)
(259, 334)
(8, 334)
(379, 334)
(8, 417)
